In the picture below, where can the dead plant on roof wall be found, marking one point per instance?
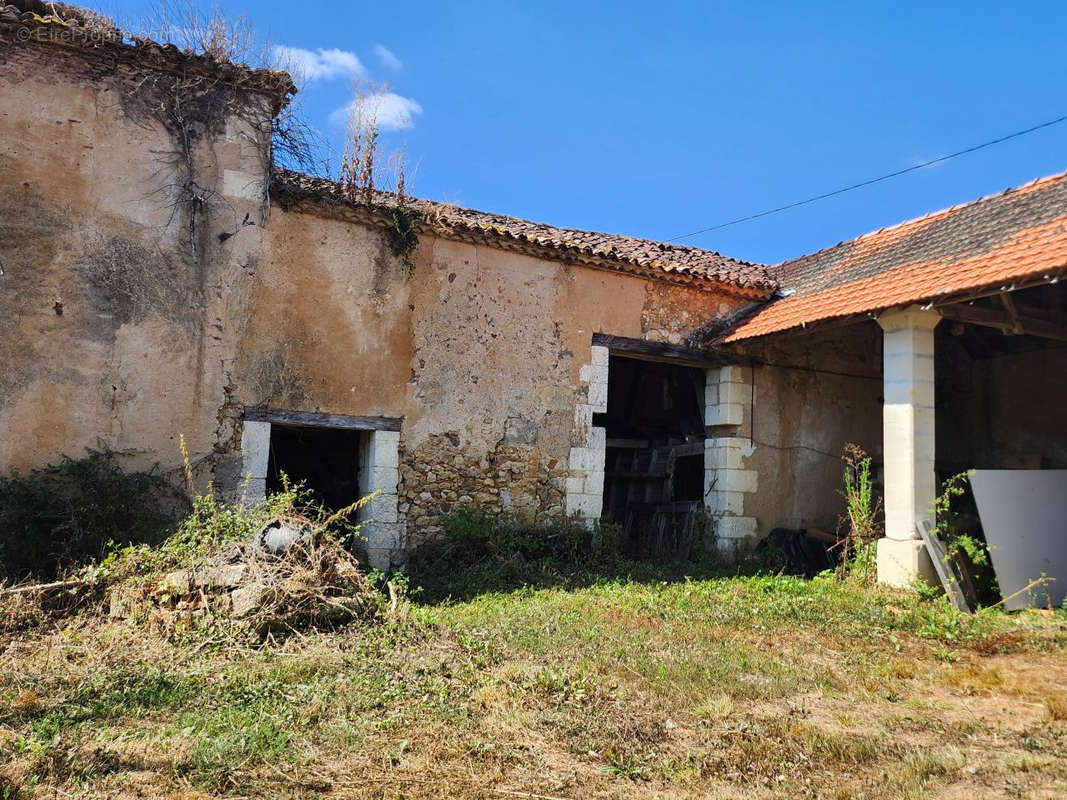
(193, 107)
(363, 172)
(361, 146)
(214, 33)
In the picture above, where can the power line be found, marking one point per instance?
(860, 185)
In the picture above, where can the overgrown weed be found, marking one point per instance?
(478, 552)
(862, 517)
(58, 518)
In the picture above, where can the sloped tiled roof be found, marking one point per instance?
(1012, 236)
(623, 253)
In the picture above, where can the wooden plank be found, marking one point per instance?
(686, 449)
(628, 444)
(977, 315)
(315, 419)
(944, 565)
(1004, 321)
(674, 507)
(55, 586)
(658, 351)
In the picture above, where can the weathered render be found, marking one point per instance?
(814, 393)
(160, 278)
(121, 168)
(480, 351)
(154, 287)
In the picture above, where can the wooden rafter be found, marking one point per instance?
(1012, 319)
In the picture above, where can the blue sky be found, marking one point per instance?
(656, 119)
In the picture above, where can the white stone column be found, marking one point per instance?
(585, 482)
(908, 443)
(255, 450)
(727, 482)
(380, 521)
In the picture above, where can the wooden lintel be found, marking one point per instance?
(315, 419)
(1005, 321)
(659, 351)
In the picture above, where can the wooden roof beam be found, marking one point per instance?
(1004, 320)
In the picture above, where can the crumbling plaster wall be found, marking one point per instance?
(122, 327)
(814, 393)
(112, 331)
(479, 350)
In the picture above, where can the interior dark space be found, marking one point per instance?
(1000, 393)
(654, 464)
(1001, 371)
(327, 461)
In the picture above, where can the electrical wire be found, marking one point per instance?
(879, 179)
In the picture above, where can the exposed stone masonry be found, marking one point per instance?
(440, 476)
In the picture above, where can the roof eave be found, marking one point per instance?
(306, 201)
(934, 301)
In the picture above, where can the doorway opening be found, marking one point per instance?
(325, 460)
(654, 462)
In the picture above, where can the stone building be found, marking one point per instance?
(160, 279)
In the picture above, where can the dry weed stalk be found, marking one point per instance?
(212, 33)
(357, 162)
(364, 174)
(862, 510)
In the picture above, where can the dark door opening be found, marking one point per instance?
(654, 464)
(326, 461)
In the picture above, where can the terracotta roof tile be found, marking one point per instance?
(688, 264)
(94, 34)
(1015, 235)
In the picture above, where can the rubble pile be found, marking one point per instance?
(290, 577)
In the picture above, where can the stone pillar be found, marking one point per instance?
(255, 450)
(727, 408)
(585, 482)
(380, 522)
(908, 444)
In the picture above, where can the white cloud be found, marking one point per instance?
(314, 65)
(387, 57)
(391, 111)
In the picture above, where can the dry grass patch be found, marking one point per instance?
(728, 687)
(1056, 705)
